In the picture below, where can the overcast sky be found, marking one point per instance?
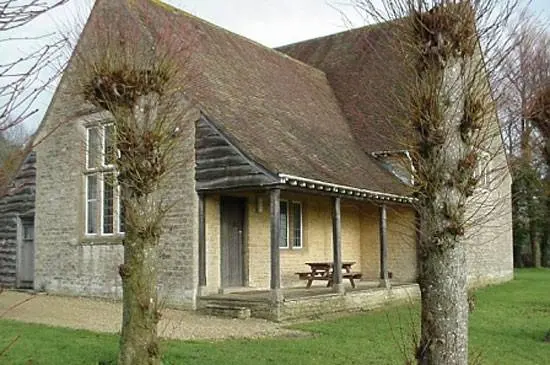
(270, 22)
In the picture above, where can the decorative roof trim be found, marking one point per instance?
(341, 189)
(389, 152)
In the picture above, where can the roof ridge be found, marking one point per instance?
(222, 29)
(363, 27)
(369, 27)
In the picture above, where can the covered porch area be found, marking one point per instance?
(256, 249)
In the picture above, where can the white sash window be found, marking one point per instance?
(103, 210)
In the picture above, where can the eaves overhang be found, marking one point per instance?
(311, 184)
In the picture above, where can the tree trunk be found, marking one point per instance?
(141, 165)
(518, 258)
(545, 250)
(139, 342)
(545, 243)
(535, 249)
(447, 118)
(444, 329)
(533, 237)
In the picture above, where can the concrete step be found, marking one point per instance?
(227, 310)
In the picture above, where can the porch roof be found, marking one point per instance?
(342, 189)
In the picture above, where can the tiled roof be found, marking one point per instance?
(365, 70)
(280, 112)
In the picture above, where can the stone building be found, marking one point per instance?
(289, 159)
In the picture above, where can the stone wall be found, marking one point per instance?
(312, 307)
(67, 260)
(70, 262)
(489, 234)
(17, 203)
(402, 262)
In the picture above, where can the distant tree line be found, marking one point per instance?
(522, 91)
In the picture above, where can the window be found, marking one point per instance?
(28, 230)
(103, 209)
(291, 225)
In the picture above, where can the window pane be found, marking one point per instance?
(284, 225)
(108, 203)
(28, 231)
(91, 204)
(92, 186)
(297, 225)
(94, 144)
(109, 153)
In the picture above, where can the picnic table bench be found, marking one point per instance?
(324, 271)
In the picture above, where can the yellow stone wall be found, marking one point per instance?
(402, 243)
(360, 239)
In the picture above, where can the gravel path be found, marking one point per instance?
(105, 316)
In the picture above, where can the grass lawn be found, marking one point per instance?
(507, 327)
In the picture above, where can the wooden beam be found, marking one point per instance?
(337, 246)
(275, 218)
(384, 275)
(202, 242)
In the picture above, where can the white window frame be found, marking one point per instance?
(100, 171)
(87, 201)
(287, 223)
(290, 245)
(301, 227)
(101, 207)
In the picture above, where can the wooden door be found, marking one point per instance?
(232, 241)
(25, 271)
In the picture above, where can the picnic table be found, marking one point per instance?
(324, 271)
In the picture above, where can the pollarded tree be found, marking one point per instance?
(130, 63)
(447, 108)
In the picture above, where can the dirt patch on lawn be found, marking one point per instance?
(104, 316)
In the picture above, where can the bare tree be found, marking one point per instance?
(447, 51)
(131, 64)
(20, 85)
(13, 149)
(538, 111)
(21, 78)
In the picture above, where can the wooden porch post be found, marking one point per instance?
(337, 246)
(202, 245)
(384, 276)
(275, 217)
